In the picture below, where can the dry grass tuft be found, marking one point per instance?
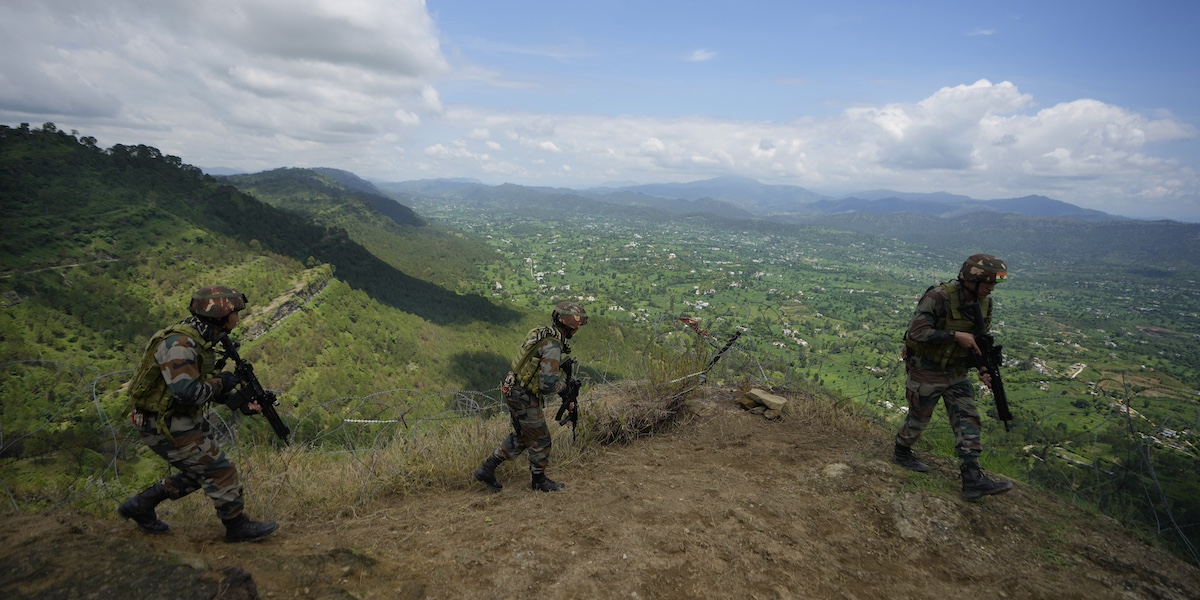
(817, 408)
(623, 412)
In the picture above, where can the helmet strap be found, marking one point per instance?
(566, 331)
(975, 291)
(209, 328)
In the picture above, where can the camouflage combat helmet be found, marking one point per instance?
(983, 268)
(570, 314)
(216, 302)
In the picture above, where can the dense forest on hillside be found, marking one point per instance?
(72, 208)
(389, 230)
(101, 247)
(356, 316)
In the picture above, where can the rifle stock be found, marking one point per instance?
(251, 390)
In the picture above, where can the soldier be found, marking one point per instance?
(177, 378)
(938, 339)
(535, 375)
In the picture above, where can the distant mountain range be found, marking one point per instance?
(790, 202)
(746, 194)
(1032, 206)
(1030, 226)
(740, 198)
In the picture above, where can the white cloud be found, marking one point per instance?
(983, 139)
(939, 132)
(197, 79)
(653, 146)
(454, 151)
(407, 118)
(701, 55)
(764, 149)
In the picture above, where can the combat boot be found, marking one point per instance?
(541, 483)
(140, 508)
(242, 529)
(486, 473)
(976, 485)
(903, 456)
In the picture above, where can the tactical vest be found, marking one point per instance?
(526, 363)
(951, 355)
(149, 390)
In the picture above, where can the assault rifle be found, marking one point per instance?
(250, 390)
(570, 397)
(991, 358)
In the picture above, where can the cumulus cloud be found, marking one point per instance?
(984, 139)
(225, 71)
(407, 118)
(939, 132)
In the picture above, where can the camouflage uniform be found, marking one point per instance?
(171, 389)
(929, 381)
(536, 374)
(935, 358)
(525, 405)
(185, 443)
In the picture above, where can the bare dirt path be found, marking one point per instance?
(729, 505)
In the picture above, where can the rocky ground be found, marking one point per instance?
(727, 505)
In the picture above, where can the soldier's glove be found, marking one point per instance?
(239, 400)
(228, 381)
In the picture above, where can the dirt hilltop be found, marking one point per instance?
(727, 505)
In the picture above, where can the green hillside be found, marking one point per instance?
(387, 229)
(101, 247)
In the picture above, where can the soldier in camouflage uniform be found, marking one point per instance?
(938, 339)
(535, 375)
(177, 378)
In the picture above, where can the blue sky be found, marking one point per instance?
(1094, 103)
